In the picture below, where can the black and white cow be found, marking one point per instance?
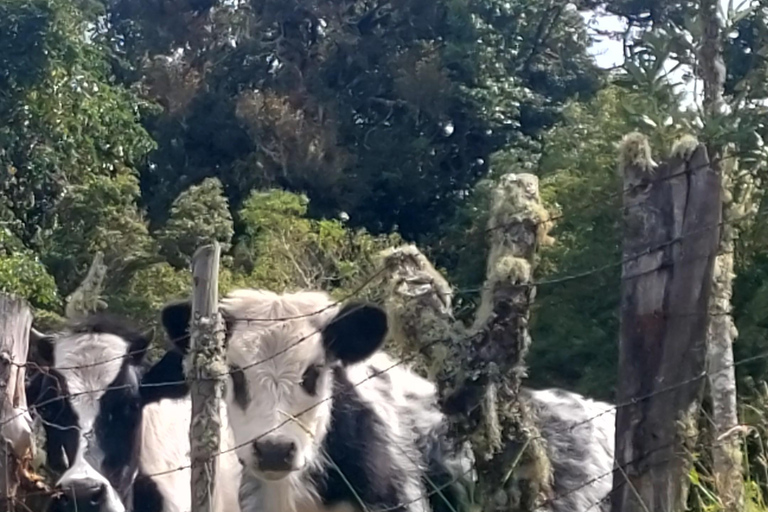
(115, 445)
(323, 421)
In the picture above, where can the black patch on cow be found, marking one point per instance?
(356, 444)
(42, 351)
(239, 386)
(175, 318)
(117, 427)
(146, 495)
(48, 394)
(165, 379)
(355, 333)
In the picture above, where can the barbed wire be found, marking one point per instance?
(367, 282)
(372, 278)
(505, 225)
(463, 474)
(628, 190)
(535, 283)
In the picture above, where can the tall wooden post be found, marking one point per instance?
(479, 370)
(205, 370)
(671, 220)
(16, 432)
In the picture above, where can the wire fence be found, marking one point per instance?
(612, 409)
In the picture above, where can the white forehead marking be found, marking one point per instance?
(280, 333)
(89, 362)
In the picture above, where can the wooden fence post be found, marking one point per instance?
(672, 221)
(16, 443)
(479, 370)
(205, 372)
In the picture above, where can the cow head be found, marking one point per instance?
(86, 392)
(282, 351)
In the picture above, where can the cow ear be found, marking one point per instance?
(165, 379)
(175, 319)
(140, 345)
(355, 333)
(44, 350)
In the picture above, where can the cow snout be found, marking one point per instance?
(84, 495)
(275, 455)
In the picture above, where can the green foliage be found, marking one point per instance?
(199, 216)
(386, 112)
(61, 119)
(22, 274)
(144, 294)
(580, 182)
(99, 214)
(285, 250)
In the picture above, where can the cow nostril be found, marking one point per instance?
(98, 496)
(291, 450)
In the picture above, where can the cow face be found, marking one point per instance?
(87, 394)
(282, 351)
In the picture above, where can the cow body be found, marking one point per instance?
(383, 449)
(105, 439)
(579, 440)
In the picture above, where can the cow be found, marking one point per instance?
(322, 419)
(117, 438)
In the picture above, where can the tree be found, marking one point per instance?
(707, 41)
(70, 142)
(388, 113)
(23, 275)
(198, 216)
(579, 184)
(285, 250)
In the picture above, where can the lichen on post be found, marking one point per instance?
(479, 369)
(670, 237)
(418, 303)
(17, 444)
(205, 370)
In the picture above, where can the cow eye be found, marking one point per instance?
(309, 379)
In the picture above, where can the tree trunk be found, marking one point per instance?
(206, 368)
(16, 446)
(726, 449)
(671, 231)
(479, 370)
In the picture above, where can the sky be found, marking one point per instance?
(609, 53)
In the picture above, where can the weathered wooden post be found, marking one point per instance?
(671, 229)
(479, 370)
(738, 199)
(205, 371)
(16, 445)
